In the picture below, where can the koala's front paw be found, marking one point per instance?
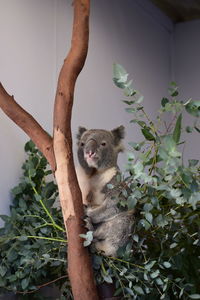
(88, 211)
(85, 215)
(85, 207)
(88, 224)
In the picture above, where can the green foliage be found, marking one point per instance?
(161, 259)
(32, 241)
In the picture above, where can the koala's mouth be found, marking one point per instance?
(92, 161)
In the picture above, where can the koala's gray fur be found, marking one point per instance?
(97, 153)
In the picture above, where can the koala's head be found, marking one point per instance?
(98, 148)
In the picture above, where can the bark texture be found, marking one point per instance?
(58, 151)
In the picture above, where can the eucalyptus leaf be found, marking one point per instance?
(120, 75)
(107, 278)
(193, 162)
(166, 264)
(164, 101)
(138, 167)
(149, 217)
(130, 110)
(195, 296)
(173, 245)
(147, 134)
(145, 224)
(194, 199)
(197, 129)
(132, 201)
(3, 270)
(140, 99)
(193, 108)
(177, 129)
(129, 102)
(23, 238)
(130, 292)
(138, 290)
(136, 146)
(189, 129)
(147, 207)
(155, 274)
(136, 238)
(25, 283)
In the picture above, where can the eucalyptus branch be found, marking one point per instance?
(118, 277)
(54, 259)
(43, 285)
(151, 124)
(49, 224)
(47, 212)
(35, 216)
(169, 126)
(154, 160)
(44, 238)
(40, 238)
(127, 262)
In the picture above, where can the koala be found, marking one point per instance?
(97, 154)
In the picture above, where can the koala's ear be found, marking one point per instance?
(81, 130)
(118, 134)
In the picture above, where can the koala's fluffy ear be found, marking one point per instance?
(118, 134)
(81, 130)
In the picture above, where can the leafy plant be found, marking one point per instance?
(161, 259)
(32, 241)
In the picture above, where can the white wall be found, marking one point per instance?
(27, 71)
(134, 34)
(187, 74)
(35, 37)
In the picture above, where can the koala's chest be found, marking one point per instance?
(92, 187)
(95, 196)
(97, 184)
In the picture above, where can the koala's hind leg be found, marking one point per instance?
(107, 248)
(113, 233)
(101, 239)
(101, 213)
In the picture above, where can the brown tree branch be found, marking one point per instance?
(41, 286)
(79, 264)
(28, 124)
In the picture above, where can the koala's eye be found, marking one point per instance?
(103, 144)
(82, 144)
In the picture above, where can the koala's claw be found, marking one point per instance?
(88, 224)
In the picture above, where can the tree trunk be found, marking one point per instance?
(58, 152)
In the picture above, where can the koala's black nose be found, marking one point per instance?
(90, 153)
(90, 148)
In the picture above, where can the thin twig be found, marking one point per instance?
(41, 286)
